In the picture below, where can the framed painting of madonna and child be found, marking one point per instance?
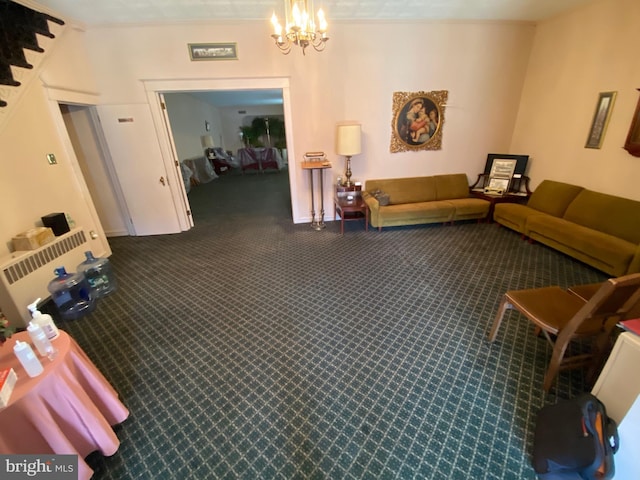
(417, 122)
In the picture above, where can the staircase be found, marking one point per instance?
(19, 27)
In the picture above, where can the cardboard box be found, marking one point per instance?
(32, 239)
(8, 379)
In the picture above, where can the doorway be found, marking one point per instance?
(88, 145)
(243, 129)
(156, 88)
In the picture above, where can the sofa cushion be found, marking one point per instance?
(405, 190)
(553, 197)
(513, 215)
(609, 214)
(451, 186)
(600, 250)
(416, 213)
(468, 208)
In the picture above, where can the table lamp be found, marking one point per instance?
(348, 143)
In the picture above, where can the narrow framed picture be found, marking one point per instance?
(600, 119)
(213, 51)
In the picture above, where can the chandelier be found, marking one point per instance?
(301, 29)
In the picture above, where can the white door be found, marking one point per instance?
(137, 160)
(182, 192)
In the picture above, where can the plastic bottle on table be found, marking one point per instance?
(28, 359)
(41, 342)
(44, 320)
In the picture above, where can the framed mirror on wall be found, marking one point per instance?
(632, 145)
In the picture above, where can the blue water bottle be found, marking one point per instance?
(71, 293)
(99, 274)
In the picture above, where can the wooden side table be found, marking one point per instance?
(348, 203)
(321, 167)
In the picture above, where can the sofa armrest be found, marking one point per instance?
(374, 208)
(634, 266)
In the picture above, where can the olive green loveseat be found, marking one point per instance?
(598, 229)
(420, 200)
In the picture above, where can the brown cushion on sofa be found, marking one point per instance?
(553, 197)
(405, 190)
(616, 216)
(451, 186)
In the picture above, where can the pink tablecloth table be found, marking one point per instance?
(68, 409)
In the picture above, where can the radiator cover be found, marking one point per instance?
(24, 276)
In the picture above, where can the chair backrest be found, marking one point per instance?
(609, 304)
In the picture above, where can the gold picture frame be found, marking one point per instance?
(417, 121)
(632, 144)
(600, 121)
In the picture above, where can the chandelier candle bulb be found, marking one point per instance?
(277, 28)
(323, 22)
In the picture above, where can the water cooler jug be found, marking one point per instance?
(71, 293)
(99, 274)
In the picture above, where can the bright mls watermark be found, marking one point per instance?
(51, 467)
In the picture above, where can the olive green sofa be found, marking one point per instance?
(598, 229)
(421, 200)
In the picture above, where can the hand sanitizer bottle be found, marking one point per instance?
(44, 320)
(28, 359)
(41, 342)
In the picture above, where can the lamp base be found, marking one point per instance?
(347, 174)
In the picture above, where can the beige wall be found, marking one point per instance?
(575, 57)
(482, 65)
(31, 188)
(187, 115)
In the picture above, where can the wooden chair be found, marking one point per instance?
(557, 312)
(585, 292)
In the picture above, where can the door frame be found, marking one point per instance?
(154, 88)
(57, 96)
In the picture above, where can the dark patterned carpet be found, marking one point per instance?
(250, 347)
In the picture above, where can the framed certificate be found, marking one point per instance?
(497, 186)
(503, 168)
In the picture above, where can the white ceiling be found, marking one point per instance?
(95, 12)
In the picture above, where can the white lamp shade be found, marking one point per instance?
(348, 139)
(207, 141)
